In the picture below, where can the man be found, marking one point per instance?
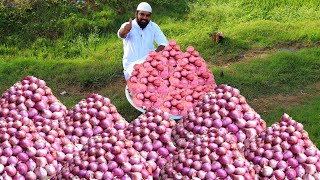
(138, 37)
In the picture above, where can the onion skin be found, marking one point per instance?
(205, 151)
(154, 143)
(283, 153)
(33, 140)
(219, 127)
(110, 153)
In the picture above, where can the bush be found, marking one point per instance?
(28, 20)
(122, 7)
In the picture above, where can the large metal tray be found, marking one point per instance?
(129, 98)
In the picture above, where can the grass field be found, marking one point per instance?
(271, 51)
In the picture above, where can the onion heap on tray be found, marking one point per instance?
(225, 108)
(24, 153)
(170, 80)
(151, 136)
(284, 151)
(209, 156)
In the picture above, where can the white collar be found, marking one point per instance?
(136, 23)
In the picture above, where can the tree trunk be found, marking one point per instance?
(89, 4)
(92, 4)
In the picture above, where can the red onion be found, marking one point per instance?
(296, 149)
(279, 174)
(230, 169)
(31, 175)
(290, 173)
(210, 153)
(312, 159)
(240, 122)
(10, 170)
(221, 173)
(300, 171)
(290, 153)
(12, 160)
(41, 172)
(292, 162)
(232, 128)
(22, 168)
(310, 168)
(163, 152)
(1, 168)
(121, 158)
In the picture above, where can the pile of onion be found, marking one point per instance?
(170, 80)
(209, 156)
(284, 151)
(24, 154)
(224, 107)
(91, 116)
(110, 155)
(151, 136)
(31, 98)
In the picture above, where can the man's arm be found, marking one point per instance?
(160, 39)
(126, 29)
(123, 33)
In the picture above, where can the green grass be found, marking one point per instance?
(58, 74)
(307, 113)
(246, 25)
(308, 116)
(284, 72)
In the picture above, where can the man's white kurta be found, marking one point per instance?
(138, 43)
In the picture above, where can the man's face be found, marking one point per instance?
(143, 18)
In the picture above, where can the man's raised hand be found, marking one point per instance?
(128, 26)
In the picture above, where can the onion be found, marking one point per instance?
(235, 114)
(40, 172)
(290, 173)
(31, 175)
(267, 171)
(31, 164)
(217, 123)
(300, 171)
(221, 173)
(312, 159)
(310, 168)
(10, 170)
(121, 158)
(279, 174)
(292, 162)
(1, 168)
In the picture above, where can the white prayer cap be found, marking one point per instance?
(144, 7)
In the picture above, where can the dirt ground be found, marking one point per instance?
(264, 104)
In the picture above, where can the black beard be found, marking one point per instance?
(143, 24)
